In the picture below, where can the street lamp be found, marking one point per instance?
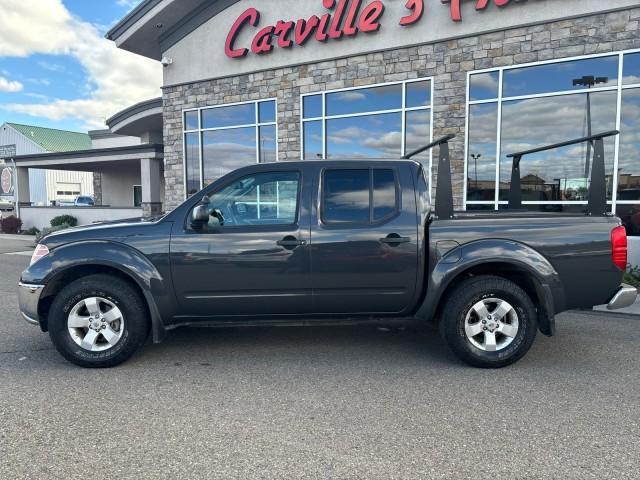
(589, 81)
(476, 157)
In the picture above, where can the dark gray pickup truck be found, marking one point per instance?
(328, 242)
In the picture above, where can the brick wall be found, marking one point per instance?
(448, 62)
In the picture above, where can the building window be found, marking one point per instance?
(137, 196)
(515, 108)
(379, 121)
(223, 138)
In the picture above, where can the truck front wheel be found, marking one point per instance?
(489, 322)
(98, 321)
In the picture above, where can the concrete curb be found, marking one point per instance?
(25, 238)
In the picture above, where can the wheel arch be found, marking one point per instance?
(71, 262)
(513, 261)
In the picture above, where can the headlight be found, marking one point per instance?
(39, 252)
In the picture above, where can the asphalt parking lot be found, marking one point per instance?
(320, 403)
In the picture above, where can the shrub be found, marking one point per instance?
(66, 220)
(47, 231)
(632, 276)
(33, 231)
(11, 225)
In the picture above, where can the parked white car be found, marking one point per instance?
(6, 205)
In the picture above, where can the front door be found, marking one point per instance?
(253, 258)
(364, 241)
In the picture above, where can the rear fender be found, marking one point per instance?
(63, 260)
(514, 256)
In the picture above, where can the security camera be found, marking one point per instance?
(166, 61)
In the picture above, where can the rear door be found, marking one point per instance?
(364, 240)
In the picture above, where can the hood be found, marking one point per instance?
(117, 230)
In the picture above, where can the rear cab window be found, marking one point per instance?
(359, 196)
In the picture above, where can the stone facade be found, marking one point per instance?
(97, 188)
(447, 62)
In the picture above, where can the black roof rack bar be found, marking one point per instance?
(440, 141)
(598, 188)
(611, 133)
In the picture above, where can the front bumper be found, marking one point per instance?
(29, 297)
(625, 297)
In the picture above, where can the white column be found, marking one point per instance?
(23, 193)
(150, 177)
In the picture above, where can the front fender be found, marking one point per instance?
(461, 259)
(118, 256)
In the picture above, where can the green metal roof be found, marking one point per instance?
(53, 140)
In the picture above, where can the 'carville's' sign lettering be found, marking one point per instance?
(346, 18)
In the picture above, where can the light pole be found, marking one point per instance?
(589, 81)
(476, 157)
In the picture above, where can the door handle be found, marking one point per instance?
(395, 239)
(291, 242)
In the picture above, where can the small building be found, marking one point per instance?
(46, 186)
(125, 163)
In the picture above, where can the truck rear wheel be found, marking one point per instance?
(98, 321)
(489, 322)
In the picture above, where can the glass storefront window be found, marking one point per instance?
(192, 160)
(484, 86)
(267, 111)
(312, 106)
(562, 174)
(363, 100)
(419, 94)
(381, 121)
(631, 74)
(541, 105)
(559, 77)
(191, 121)
(313, 140)
(629, 157)
(232, 116)
(268, 144)
(418, 129)
(372, 136)
(481, 169)
(224, 138)
(226, 150)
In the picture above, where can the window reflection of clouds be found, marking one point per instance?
(535, 122)
(192, 155)
(312, 140)
(484, 86)
(226, 150)
(224, 145)
(558, 77)
(355, 127)
(229, 116)
(386, 97)
(346, 196)
(629, 155)
(373, 136)
(481, 170)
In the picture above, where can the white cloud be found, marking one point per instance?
(10, 86)
(130, 4)
(116, 79)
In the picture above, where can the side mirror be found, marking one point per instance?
(200, 215)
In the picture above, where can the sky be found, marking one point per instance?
(57, 70)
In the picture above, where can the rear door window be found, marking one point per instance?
(359, 196)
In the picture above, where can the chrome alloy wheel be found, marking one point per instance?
(491, 325)
(95, 324)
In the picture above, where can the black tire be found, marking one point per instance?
(461, 301)
(133, 308)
